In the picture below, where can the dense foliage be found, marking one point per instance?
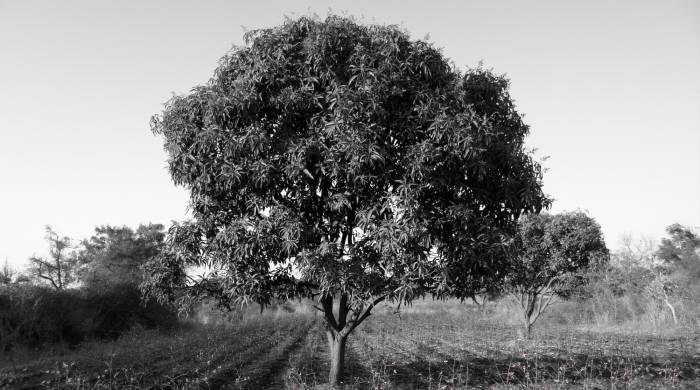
(34, 316)
(548, 256)
(328, 159)
(83, 291)
(350, 151)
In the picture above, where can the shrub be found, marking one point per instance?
(34, 316)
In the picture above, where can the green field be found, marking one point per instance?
(430, 345)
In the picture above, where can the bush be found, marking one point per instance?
(119, 308)
(34, 316)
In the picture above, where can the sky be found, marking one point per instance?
(611, 91)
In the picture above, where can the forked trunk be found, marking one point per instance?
(529, 314)
(481, 305)
(336, 345)
(339, 327)
(534, 303)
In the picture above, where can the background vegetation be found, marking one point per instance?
(616, 330)
(84, 291)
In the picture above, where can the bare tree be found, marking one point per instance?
(657, 271)
(635, 253)
(58, 269)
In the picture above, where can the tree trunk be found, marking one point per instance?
(528, 330)
(339, 327)
(534, 303)
(673, 310)
(527, 326)
(480, 305)
(336, 345)
(528, 305)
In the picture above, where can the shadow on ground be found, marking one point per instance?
(515, 370)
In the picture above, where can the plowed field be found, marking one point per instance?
(440, 348)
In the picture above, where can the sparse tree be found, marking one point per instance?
(678, 267)
(7, 274)
(58, 269)
(547, 256)
(639, 268)
(631, 267)
(661, 288)
(635, 252)
(343, 163)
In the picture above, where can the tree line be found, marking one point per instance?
(113, 255)
(552, 257)
(81, 290)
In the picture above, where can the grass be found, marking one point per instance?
(428, 346)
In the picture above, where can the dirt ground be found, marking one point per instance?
(429, 346)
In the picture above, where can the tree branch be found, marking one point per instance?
(357, 319)
(49, 279)
(542, 307)
(327, 302)
(549, 284)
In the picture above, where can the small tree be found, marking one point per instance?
(58, 269)
(548, 253)
(346, 164)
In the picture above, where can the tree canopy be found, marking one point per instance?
(329, 159)
(549, 252)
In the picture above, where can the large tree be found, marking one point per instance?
(547, 257)
(344, 163)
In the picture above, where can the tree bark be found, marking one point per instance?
(339, 327)
(336, 345)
